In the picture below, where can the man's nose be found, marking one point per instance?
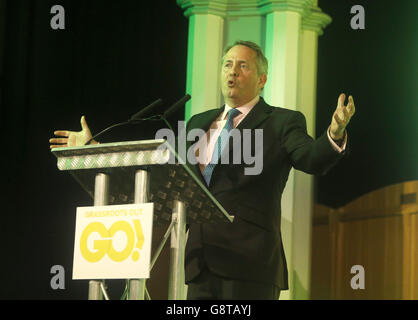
(234, 71)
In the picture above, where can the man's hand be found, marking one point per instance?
(72, 138)
(341, 117)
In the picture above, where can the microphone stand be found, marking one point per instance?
(121, 124)
(163, 116)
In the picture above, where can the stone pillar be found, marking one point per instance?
(203, 63)
(303, 191)
(291, 34)
(205, 43)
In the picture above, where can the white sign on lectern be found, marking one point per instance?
(113, 242)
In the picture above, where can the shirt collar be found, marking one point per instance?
(244, 109)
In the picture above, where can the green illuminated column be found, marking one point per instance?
(312, 25)
(204, 54)
(292, 28)
(283, 28)
(203, 63)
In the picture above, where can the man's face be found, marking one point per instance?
(240, 81)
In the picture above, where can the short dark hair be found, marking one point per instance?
(261, 60)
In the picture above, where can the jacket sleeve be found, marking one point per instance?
(306, 154)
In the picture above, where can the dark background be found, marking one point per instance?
(115, 57)
(379, 67)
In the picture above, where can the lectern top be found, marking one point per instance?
(168, 181)
(138, 145)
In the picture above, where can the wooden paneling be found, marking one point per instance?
(322, 253)
(377, 231)
(375, 245)
(414, 256)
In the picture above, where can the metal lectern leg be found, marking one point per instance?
(178, 240)
(137, 286)
(101, 195)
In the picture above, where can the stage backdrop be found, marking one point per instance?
(113, 58)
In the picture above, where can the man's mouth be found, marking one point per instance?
(231, 83)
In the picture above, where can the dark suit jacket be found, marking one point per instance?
(251, 247)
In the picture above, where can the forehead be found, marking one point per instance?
(240, 52)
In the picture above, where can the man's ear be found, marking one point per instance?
(262, 81)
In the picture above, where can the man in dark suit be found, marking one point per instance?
(245, 259)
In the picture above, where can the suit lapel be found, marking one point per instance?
(257, 114)
(260, 112)
(203, 122)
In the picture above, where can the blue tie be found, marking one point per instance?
(220, 144)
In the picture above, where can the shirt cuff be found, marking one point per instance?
(335, 146)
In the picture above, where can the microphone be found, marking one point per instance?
(173, 109)
(176, 106)
(146, 110)
(135, 117)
